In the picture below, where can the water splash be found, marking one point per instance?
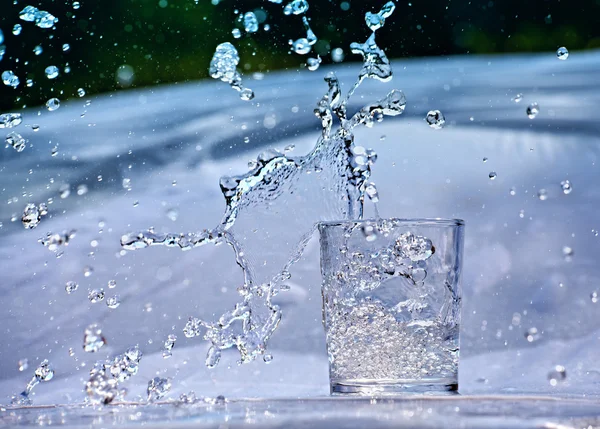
(223, 66)
(42, 373)
(335, 170)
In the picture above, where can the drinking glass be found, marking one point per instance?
(391, 304)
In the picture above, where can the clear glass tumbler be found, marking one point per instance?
(391, 304)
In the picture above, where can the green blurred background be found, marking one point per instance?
(163, 41)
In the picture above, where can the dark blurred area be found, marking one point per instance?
(135, 43)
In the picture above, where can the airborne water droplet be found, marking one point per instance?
(10, 79)
(96, 295)
(16, 141)
(53, 104)
(492, 175)
(51, 72)
(435, 119)
(157, 388)
(313, 63)
(542, 195)
(93, 339)
(562, 53)
(113, 301)
(532, 335)
(250, 22)
(557, 375)
(71, 287)
(532, 110)
(517, 98)
(566, 187)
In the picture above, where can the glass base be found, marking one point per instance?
(363, 387)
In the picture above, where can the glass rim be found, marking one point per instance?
(405, 221)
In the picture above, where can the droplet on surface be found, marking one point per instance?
(96, 295)
(562, 53)
(93, 339)
(532, 110)
(435, 119)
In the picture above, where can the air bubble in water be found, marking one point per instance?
(532, 334)
(96, 295)
(168, 346)
(52, 72)
(566, 187)
(492, 175)
(10, 120)
(250, 22)
(542, 194)
(435, 119)
(413, 247)
(562, 53)
(53, 104)
(557, 375)
(157, 388)
(113, 301)
(93, 339)
(532, 110)
(517, 98)
(192, 327)
(16, 141)
(313, 63)
(10, 79)
(71, 287)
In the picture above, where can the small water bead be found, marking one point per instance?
(532, 334)
(542, 194)
(512, 191)
(369, 231)
(52, 72)
(562, 53)
(112, 284)
(41, 18)
(568, 253)
(17, 29)
(113, 301)
(566, 187)
(173, 214)
(38, 50)
(23, 364)
(81, 92)
(1, 36)
(66, 47)
(16, 141)
(76, 5)
(485, 159)
(157, 388)
(96, 295)
(492, 175)
(9, 78)
(435, 119)
(236, 33)
(246, 94)
(517, 98)
(296, 7)
(71, 286)
(88, 271)
(10, 120)
(55, 241)
(557, 375)
(250, 22)
(594, 297)
(53, 104)
(532, 110)
(301, 46)
(64, 191)
(168, 346)
(268, 358)
(376, 20)
(313, 64)
(93, 340)
(29, 83)
(82, 189)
